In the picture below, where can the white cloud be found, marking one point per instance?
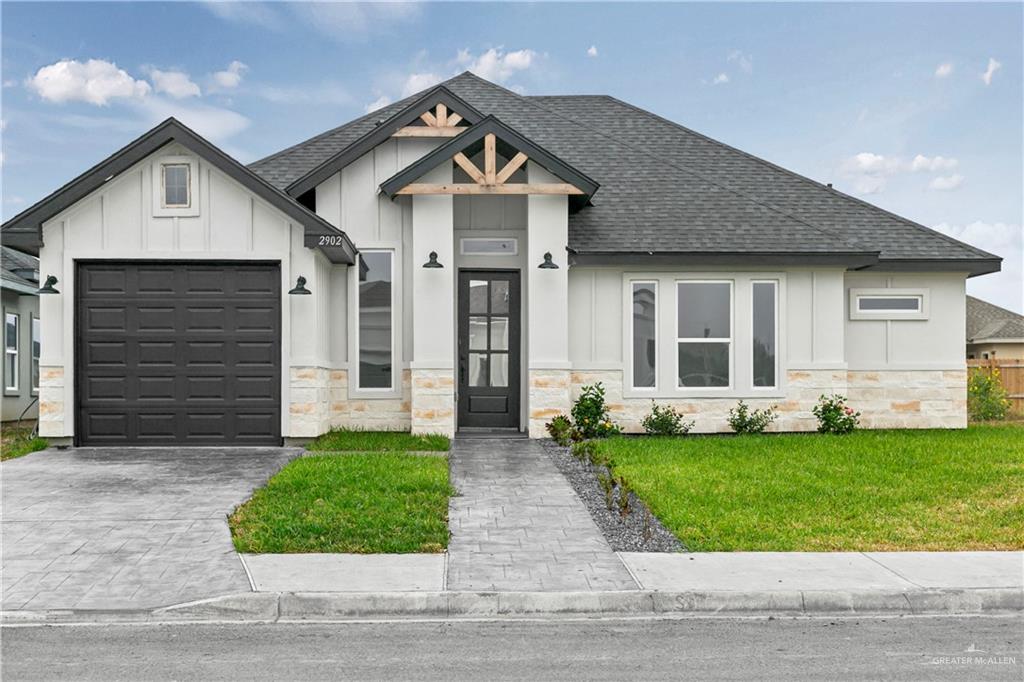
(946, 183)
(256, 13)
(177, 84)
(993, 66)
(419, 81)
(496, 65)
(933, 164)
(720, 79)
(944, 70)
(212, 122)
(744, 61)
(1006, 287)
(378, 103)
(592, 51)
(96, 82)
(231, 77)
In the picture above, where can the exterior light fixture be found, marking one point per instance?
(547, 264)
(300, 287)
(47, 288)
(432, 262)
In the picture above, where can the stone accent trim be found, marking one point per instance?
(886, 399)
(549, 395)
(309, 402)
(433, 401)
(51, 402)
(319, 402)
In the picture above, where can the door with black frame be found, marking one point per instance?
(489, 341)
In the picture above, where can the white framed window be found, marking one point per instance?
(175, 186)
(488, 246)
(888, 304)
(704, 324)
(36, 340)
(375, 334)
(764, 332)
(12, 332)
(644, 334)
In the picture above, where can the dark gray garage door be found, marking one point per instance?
(178, 353)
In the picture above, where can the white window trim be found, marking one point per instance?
(12, 386)
(163, 185)
(34, 364)
(160, 209)
(396, 384)
(731, 340)
(498, 254)
(775, 291)
(857, 314)
(657, 330)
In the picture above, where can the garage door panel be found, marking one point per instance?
(201, 365)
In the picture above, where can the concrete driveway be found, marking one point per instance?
(103, 528)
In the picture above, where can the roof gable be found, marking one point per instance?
(382, 131)
(986, 321)
(24, 230)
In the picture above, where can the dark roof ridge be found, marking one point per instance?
(798, 176)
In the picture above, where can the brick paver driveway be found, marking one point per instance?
(104, 528)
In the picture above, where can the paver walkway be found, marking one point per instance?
(94, 528)
(517, 524)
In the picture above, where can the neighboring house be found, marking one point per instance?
(471, 257)
(19, 280)
(993, 332)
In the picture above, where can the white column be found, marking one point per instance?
(433, 310)
(548, 304)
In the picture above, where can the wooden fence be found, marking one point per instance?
(1011, 374)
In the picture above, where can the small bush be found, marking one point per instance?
(987, 399)
(834, 415)
(744, 420)
(665, 421)
(590, 414)
(560, 429)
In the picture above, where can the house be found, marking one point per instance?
(19, 280)
(468, 258)
(993, 332)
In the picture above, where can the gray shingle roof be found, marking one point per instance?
(988, 321)
(11, 260)
(666, 189)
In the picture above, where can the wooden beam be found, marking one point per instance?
(511, 167)
(442, 114)
(428, 118)
(490, 157)
(454, 119)
(513, 188)
(428, 131)
(470, 168)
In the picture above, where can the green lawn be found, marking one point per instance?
(870, 490)
(361, 502)
(344, 440)
(15, 442)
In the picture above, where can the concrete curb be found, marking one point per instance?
(326, 606)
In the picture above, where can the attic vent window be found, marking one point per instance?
(176, 182)
(485, 246)
(888, 304)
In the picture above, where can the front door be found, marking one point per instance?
(489, 316)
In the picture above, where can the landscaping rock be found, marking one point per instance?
(638, 531)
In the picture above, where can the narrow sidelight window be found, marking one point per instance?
(704, 334)
(764, 302)
(176, 185)
(376, 338)
(11, 334)
(36, 347)
(645, 327)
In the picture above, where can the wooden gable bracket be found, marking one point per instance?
(437, 124)
(490, 180)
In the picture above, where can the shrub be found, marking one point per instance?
(665, 421)
(560, 429)
(590, 413)
(987, 398)
(834, 415)
(744, 420)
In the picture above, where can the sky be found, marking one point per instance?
(916, 108)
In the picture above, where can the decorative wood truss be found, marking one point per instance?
(440, 123)
(490, 180)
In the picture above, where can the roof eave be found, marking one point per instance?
(972, 266)
(850, 260)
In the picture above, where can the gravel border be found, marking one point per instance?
(637, 531)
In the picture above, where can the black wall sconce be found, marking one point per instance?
(300, 287)
(47, 288)
(432, 261)
(547, 264)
